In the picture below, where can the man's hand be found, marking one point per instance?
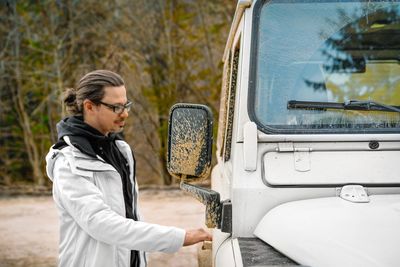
(195, 236)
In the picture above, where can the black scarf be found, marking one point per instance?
(92, 142)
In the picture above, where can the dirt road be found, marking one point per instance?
(29, 228)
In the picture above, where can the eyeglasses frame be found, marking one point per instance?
(126, 107)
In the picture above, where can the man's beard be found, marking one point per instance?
(119, 130)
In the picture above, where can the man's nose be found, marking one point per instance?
(124, 114)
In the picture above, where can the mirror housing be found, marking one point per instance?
(189, 141)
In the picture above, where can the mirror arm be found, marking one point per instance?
(210, 198)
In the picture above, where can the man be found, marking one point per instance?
(94, 186)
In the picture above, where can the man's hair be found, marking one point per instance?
(91, 87)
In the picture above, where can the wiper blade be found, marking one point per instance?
(349, 105)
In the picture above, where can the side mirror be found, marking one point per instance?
(189, 141)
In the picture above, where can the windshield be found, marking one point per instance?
(326, 52)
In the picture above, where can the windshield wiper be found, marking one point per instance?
(348, 104)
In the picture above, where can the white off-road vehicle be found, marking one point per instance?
(308, 143)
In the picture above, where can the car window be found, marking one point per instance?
(326, 52)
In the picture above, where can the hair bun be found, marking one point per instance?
(70, 100)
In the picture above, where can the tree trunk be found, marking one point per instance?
(162, 133)
(23, 118)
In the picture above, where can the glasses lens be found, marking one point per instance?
(118, 109)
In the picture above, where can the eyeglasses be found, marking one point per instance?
(119, 109)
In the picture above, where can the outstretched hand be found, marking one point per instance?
(194, 236)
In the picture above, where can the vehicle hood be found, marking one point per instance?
(336, 232)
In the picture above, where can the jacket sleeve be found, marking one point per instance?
(85, 203)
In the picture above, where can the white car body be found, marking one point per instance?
(289, 189)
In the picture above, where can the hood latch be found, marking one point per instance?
(354, 193)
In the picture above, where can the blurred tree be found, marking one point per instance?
(177, 47)
(167, 50)
(40, 53)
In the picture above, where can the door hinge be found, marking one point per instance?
(301, 155)
(285, 147)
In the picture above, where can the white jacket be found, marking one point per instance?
(93, 229)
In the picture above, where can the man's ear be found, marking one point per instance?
(88, 106)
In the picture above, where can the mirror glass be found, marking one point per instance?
(190, 141)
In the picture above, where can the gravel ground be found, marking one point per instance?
(29, 228)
